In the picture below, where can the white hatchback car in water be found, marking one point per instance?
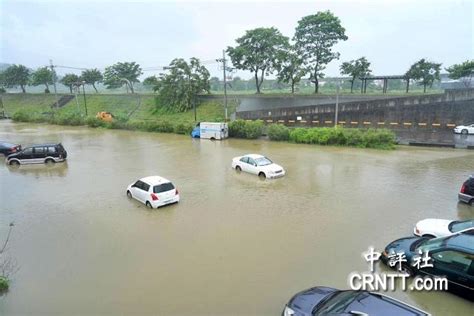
(154, 191)
(259, 165)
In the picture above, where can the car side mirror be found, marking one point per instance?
(358, 313)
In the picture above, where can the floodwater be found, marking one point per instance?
(234, 245)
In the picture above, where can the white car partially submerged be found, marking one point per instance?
(464, 129)
(432, 227)
(259, 165)
(154, 191)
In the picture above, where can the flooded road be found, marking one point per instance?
(234, 245)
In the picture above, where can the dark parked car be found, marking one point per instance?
(452, 257)
(44, 153)
(328, 301)
(466, 194)
(9, 148)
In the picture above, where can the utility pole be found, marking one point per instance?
(54, 82)
(337, 104)
(84, 94)
(223, 60)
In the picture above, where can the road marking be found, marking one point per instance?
(451, 125)
(436, 124)
(354, 123)
(407, 124)
(421, 124)
(316, 122)
(269, 121)
(342, 122)
(281, 121)
(303, 121)
(291, 121)
(328, 122)
(393, 123)
(367, 123)
(381, 123)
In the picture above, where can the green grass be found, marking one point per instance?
(31, 102)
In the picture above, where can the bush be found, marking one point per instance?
(4, 284)
(95, 122)
(69, 118)
(246, 129)
(372, 138)
(183, 128)
(278, 132)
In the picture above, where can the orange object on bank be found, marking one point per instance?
(104, 116)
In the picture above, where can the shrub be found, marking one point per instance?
(69, 118)
(246, 129)
(278, 132)
(94, 122)
(4, 284)
(183, 128)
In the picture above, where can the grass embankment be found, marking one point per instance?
(136, 112)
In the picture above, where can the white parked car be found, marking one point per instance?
(432, 227)
(464, 129)
(154, 191)
(259, 165)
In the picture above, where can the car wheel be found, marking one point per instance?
(49, 160)
(464, 132)
(14, 163)
(238, 169)
(129, 194)
(262, 175)
(406, 269)
(148, 204)
(471, 202)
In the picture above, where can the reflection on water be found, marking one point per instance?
(233, 245)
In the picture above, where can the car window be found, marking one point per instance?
(264, 161)
(28, 151)
(51, 150)
(456, 260)
(163, 187)
(458, 226)
(138, 184)
(244, 159)
(145, 186)
(39, 150)
(251, 162)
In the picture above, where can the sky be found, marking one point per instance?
(392, 35)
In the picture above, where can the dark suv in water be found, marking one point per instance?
(44, 153)
(466, 194)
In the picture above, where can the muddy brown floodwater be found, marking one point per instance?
(234, 245)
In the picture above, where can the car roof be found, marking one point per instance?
(154, 180)
(46, 144)
(462, 241)
(7, 143)
(253, 156)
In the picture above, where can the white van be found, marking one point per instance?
(211, 130)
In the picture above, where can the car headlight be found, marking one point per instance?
(288, 311)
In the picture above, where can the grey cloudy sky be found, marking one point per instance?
(391, 34)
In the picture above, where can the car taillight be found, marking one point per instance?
(154, 197)
(176, 192)
(463, 188)
(13, 149)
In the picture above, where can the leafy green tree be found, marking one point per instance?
(69, 80)
(356, 68)
(425, 72)
(150, 82)
(291, 69)
(41, 76)
(120, 74)
(215, 84)
(178, 88)
(92, 76)
(16, 75)
(463, 72)
(315, 37)
(259, 51)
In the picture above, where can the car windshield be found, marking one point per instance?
(433, 244)
(163, 187)
(457, 226)
(337, 303)
(263, 161)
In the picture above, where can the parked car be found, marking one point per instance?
(259, 165)
(43, 153)
(328, 301)
(432, 227)
(466, 194)
(464, 129)
(7, 148)
(452, 256)
(153, 191)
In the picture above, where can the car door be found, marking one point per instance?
(453, 264)
(252, 166)
(145, 192)
(39, 154)
(470, 129)
(26, 155)
(137, 190)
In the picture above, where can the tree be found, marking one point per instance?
(178, 88)
(121, 74)
(291, 69)
(215, 84)
(150, 82)
(425, 72)
(464, 72)
(315, 37)
(41, 76)
(69, 80)
(355, 68)
(16, 75)
(92, 76)
(259, 51)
